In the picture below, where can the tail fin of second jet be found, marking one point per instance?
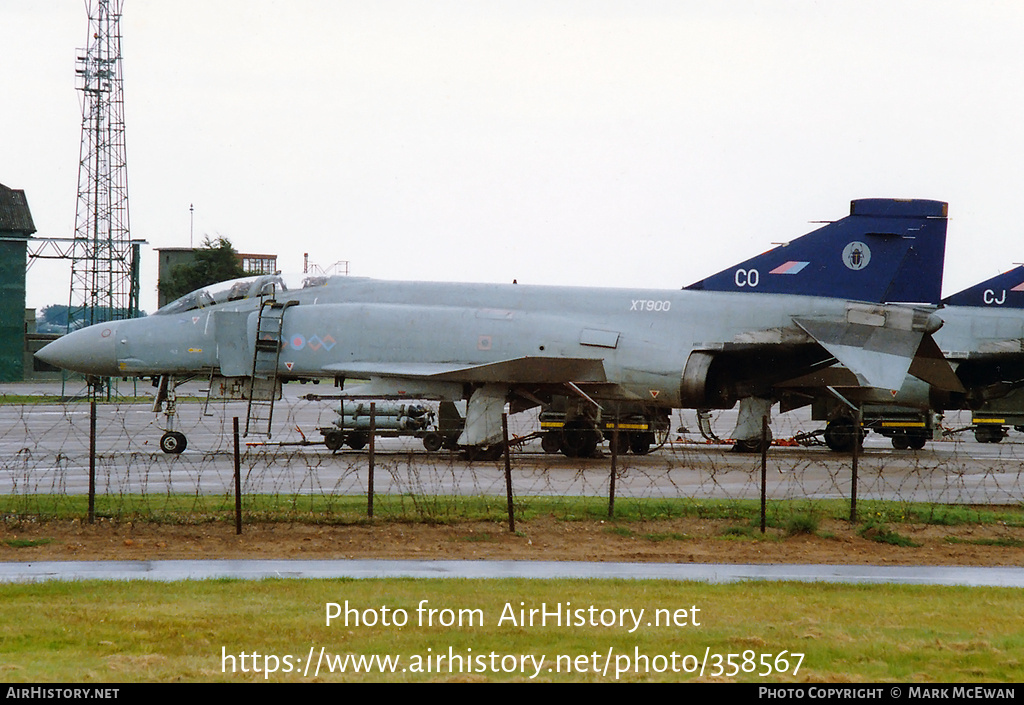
(885, 251)
(1003, 291)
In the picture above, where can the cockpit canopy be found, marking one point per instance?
(236, 289)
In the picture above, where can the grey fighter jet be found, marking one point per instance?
(983, 339)
(834, 309)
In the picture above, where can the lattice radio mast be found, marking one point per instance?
(104, 260)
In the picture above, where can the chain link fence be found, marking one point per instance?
(45, 465)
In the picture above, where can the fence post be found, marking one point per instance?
(238, 479)
(508, 474)
(856, 456)
(615, 457)
(93, 384)
(764, 470)
(372, 453)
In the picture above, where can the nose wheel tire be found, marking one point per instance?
(173, 442)
(484, 453)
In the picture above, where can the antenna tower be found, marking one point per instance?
(104, 260)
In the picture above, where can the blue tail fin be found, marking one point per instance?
(886, 250)
(1003, 291)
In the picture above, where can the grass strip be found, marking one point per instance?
(146, 631)
(795, 516)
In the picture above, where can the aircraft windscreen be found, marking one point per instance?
(237, 289)
(222, 292)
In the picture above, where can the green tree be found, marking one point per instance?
(216, 261)
(54, 318)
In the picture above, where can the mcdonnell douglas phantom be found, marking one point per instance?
(982, 337)
(832, 311)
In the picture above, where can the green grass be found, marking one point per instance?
(340, 510)
(26, 543)
(654, 537)
(802, 523)
(28, 400)
(667, 536)
(740, 532)
(880, 532)
(92, 631)
(32, 400)
(623, 531)
(1001, 542)
(95, 632)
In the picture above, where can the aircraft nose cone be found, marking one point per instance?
(90, 351)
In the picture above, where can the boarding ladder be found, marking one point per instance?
(266, 358)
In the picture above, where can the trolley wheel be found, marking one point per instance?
(433, 442)
(579, 439)
(917, 439)
(900, 441)
(334, 440)
(640, 442)
(618, 443)
(988, 434)
(551, 441)
(840, 434)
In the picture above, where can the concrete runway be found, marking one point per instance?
(44, 449)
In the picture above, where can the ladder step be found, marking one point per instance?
(265, 361)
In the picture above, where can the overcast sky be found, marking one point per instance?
(587, 143)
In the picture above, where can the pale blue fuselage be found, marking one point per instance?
(351, 327)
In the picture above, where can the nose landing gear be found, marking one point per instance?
(173, 442)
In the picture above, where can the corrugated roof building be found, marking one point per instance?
(16, 227)
(15, 217)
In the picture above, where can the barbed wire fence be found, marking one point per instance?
(44, 469)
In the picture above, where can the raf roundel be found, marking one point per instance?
(856, 255)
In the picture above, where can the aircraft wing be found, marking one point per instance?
(991, 349)
(522, 370)
(880, 346)
(990, 371)
(932, 367)
(446, 380)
